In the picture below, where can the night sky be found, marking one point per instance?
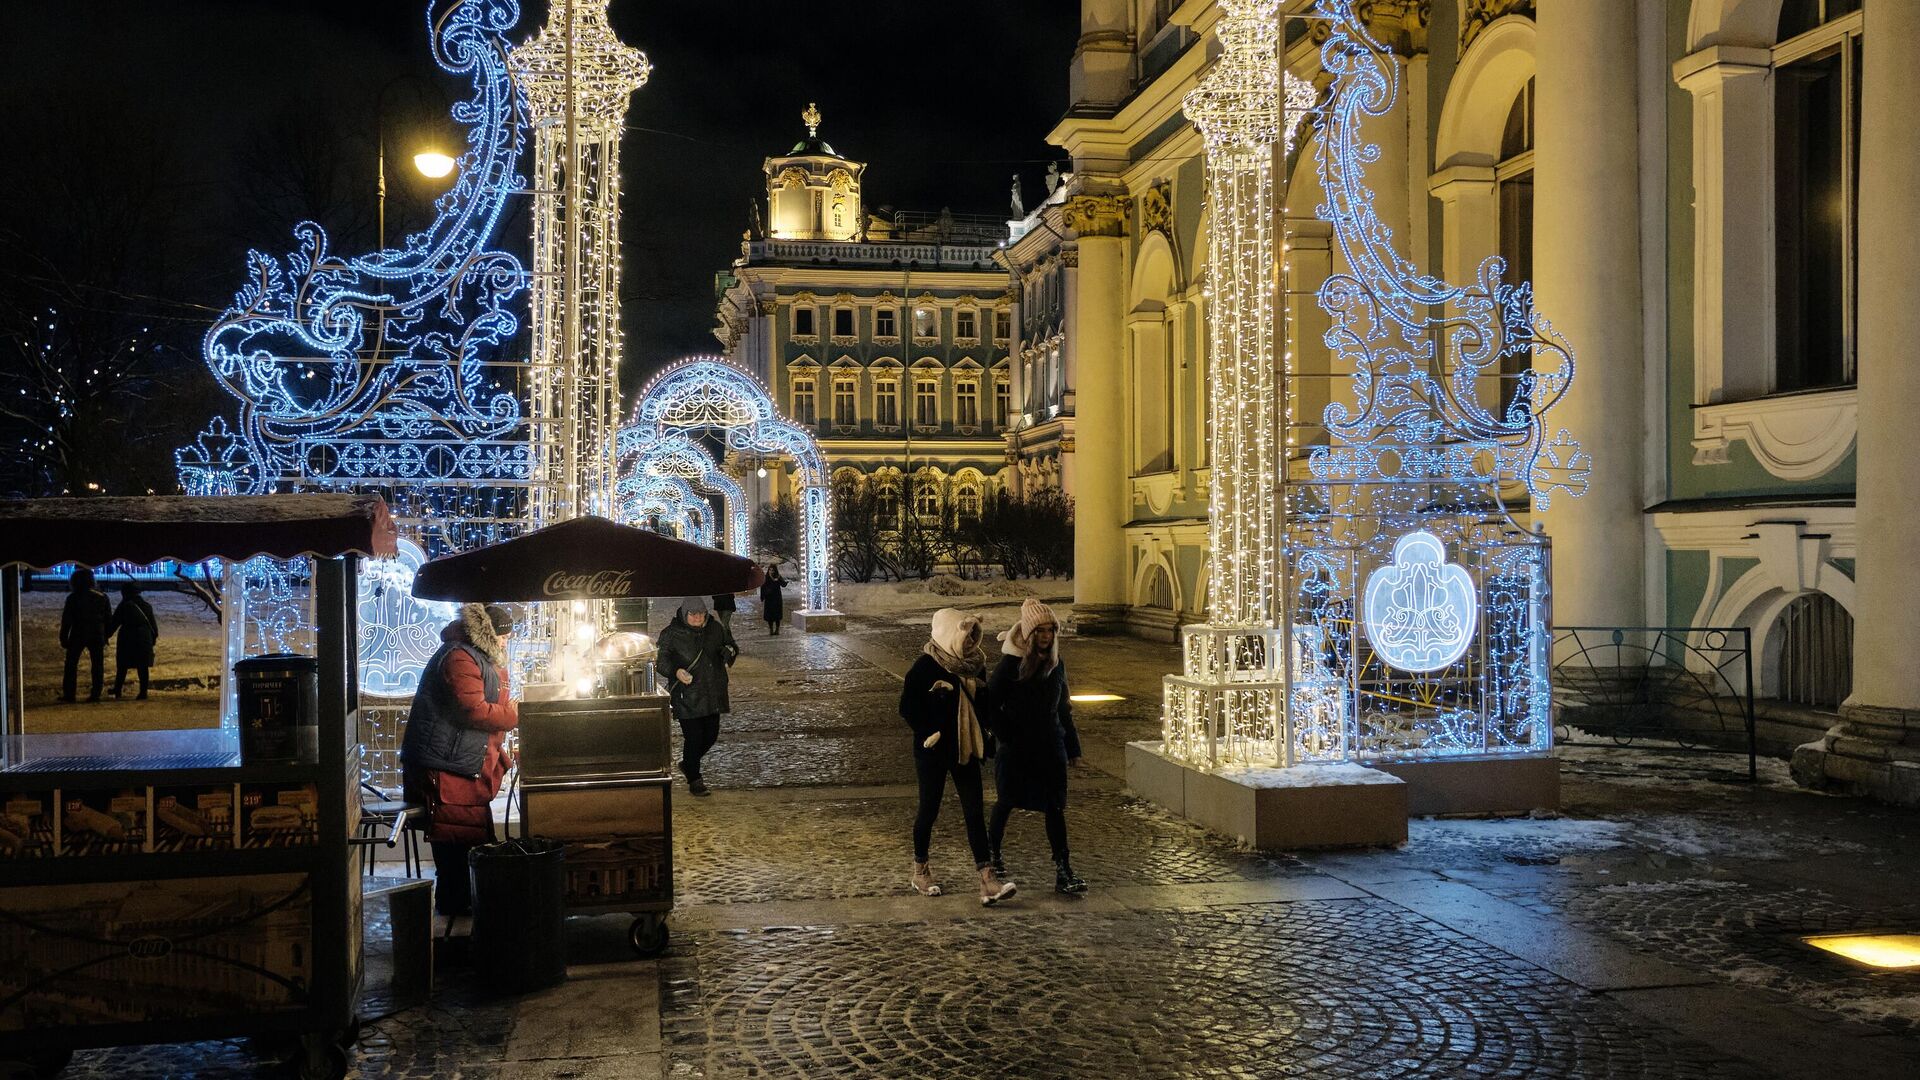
(943, 100)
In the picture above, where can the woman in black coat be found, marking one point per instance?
(134, 630)
(944, 701)
(1035, 736)
(773, 604)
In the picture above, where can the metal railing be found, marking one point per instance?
(1688, 684)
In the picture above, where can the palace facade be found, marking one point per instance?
(1716, 203)
(884, 334)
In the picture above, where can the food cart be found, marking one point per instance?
(185, 884)
(595, 767)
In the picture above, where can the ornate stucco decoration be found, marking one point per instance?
(1098, 215)
(1156, 210)
(1477, 15)
(1400, 25)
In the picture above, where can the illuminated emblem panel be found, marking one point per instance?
(1420, 609)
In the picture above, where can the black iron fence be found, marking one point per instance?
(1691, 686)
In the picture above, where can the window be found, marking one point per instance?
(926, 497)
(1816, 157)
(966, 404)
(966, 502)
(1002, 324)
(966, 323)
(926, 323)
(887, 498)
(886, 402)
(926, 403)
(844, 415)
(1002, 402)
(803, 407)
(803, 322)
(1815, 636)
(1513, 178)
(886, 322)
(843, 322)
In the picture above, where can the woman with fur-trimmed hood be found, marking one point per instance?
(1033, 724)
(454, 756)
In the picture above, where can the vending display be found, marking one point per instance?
(194, 818)
(106, 822)
(27, 829)
(279, 815)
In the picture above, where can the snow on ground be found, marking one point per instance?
(189, 652)
(914, 602)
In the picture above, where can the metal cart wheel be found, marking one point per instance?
(321, 1057)
(648, 934)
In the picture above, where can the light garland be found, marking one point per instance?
(679, 456)
(705, 393)
(382, 373)
(1412, 614)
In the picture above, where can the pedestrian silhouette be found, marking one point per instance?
(134, 629)
(83, 628)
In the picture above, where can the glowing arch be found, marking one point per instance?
(671, 499)
(705, 393)
(681, 457)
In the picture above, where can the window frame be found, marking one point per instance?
(813, 319)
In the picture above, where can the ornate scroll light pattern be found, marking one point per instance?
(1400, 536)
(384, 372)
(681, 457)
(705, 393)
(1226, 705)
(671, 501)
(398, 633)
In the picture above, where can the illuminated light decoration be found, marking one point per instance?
(1420, 609)
(679, 456)
(705, 393)
(578, 78)
(383, 373)
(1873, 950)
(1380, 647)
(672, 501)
(1226, 703)
(398, 632)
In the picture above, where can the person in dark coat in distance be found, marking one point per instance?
(773, 603)
(83, 628)
(134, 629)
(944, 700)
(695, 651)
(454, 755)
(1034, 735)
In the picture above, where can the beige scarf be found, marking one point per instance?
(950, 648)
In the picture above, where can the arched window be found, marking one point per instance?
(926, 496)
(1816, 156)
(967, 500)
(1513, 179)
(1816, 652)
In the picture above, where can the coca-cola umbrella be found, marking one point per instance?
(587, 558)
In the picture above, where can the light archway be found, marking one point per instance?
(705, 393)
(680, 457)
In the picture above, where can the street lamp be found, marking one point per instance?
(434, 165)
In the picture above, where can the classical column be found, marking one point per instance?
(1886, 665)
(1586, 245)
(1095, 292)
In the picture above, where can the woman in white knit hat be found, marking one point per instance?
(1036, 740)
(944, 701)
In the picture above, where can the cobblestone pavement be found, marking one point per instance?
(1651, 931)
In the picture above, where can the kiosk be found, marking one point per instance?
(160, 885)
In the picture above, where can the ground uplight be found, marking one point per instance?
(1087, 699)
(1873, 950)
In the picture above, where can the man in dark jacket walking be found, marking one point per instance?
(695, 651)
(134, 630)
(83, 628)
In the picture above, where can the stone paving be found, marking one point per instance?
(1652, 931)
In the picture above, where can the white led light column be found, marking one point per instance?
(1226, 705)
(577, 78)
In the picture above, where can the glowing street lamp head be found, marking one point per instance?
(434, 164)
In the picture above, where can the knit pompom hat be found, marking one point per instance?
(1018, 640)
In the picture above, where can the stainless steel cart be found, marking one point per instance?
(595, 774)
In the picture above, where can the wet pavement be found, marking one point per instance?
(1651, 930)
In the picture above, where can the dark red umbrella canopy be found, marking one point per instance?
(588, 558)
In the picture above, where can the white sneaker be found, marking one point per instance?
(992, 889)
(923, 882)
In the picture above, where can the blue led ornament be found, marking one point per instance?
(1420, 609)
(398, 633)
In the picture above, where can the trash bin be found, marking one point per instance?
(279, 700)
(519, 915)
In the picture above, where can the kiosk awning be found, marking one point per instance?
(588, 558)
(191, 528)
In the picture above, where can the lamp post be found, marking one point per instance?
(430, 162)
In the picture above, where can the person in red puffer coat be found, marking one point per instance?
(454, 756)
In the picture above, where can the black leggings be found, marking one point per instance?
(933, 785)
(697, 736)
(1056, 828)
